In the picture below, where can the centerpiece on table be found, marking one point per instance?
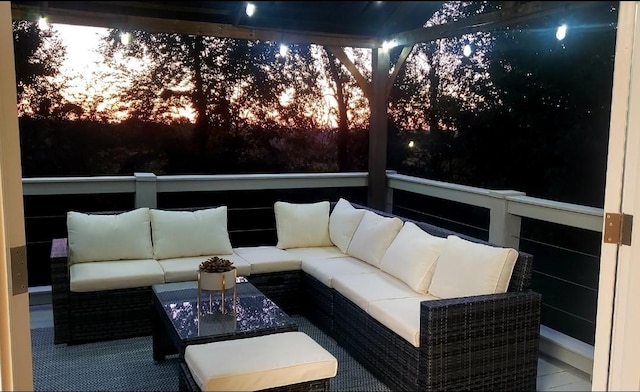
(217, 274)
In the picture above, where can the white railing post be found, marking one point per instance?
(146, 190)
(388, 201)
(504, 228)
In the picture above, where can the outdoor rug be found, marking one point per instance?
(127, 365)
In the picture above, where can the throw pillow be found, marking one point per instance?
(412, 257)
(190, 233)
(97, 237)
(373, 236)
(467, 268)
(343, 222)
(302, 225)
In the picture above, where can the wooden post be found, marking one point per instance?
(377, 181)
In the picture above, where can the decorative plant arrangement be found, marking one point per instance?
(217, 274)
(216, 264)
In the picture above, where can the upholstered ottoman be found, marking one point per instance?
(290, 361)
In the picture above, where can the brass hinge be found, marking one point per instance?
(19, 270)
(617, 228)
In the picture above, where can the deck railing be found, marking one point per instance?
(506, 210)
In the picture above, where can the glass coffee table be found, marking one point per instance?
(177, 322)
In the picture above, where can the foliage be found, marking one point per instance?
(522, 112)
(216, 264)
(38, 55)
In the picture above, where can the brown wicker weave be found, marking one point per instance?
(487, 342)
(187, 383)
(283, 288)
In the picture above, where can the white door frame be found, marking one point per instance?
(15, 333)
(617, 343)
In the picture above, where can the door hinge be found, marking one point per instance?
(617, 228)
(19, 270)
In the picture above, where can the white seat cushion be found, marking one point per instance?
(257, 363)
(401, 315)
(117, 274)
(373, 236)
(265, 259)
(321, 252)
(98, 237)
(302, 225)
(412, 257)
(186, 268)
(467, 268)
(362, 289)
(325, 269)
(190, 233)
(343, 222)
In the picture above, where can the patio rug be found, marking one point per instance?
(127, 365)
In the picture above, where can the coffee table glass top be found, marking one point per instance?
(254, 311)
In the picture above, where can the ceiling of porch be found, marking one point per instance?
(363, 24)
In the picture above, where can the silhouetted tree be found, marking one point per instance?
(39, 54)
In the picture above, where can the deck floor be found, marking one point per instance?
(552, 375)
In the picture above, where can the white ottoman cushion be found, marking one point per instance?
(258, 363)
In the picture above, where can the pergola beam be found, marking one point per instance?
(162, 25)
(353, 70)
(488, 22)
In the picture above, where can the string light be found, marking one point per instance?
(561, 32)
(43, 23)
(125, 38)
(386, 45)
(251, 9)
(284, 49)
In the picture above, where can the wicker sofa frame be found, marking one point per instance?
(82, 317)
(487, 342)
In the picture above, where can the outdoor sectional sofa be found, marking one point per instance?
(423, 308)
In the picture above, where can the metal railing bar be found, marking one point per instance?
(568, 313)
(560, 248)
(442, 218)
(535, 271)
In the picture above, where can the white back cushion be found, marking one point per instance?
(412, 257)
(302, 225)
(343, 222)
(190, 233)
(96, 237)
(373, 236)
(467, 268)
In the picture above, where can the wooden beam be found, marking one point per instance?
(377, 180)
(353, 70)
(490, 21)
(406, 51)
(161, 25)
